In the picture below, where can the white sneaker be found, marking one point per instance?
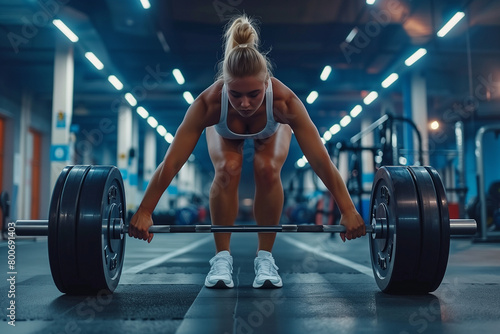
(266, 271)
(220, 274)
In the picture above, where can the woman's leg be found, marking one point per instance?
(226, 156)
(270, 155)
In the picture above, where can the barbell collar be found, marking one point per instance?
(463, 227)
(32, 227)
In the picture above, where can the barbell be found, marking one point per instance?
(409, 245)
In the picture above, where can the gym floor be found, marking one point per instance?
(328, 288)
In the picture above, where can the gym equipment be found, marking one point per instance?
(409, 230)
(484, 234)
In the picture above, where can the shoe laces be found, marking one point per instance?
(267, 267)
(220, 265)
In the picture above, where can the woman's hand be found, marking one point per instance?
(354, 224)
(139, 226)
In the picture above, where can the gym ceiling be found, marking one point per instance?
(302, 37)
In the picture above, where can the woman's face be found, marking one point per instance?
(246, 94)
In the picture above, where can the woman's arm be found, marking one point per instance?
(185, 140)
(310, 142)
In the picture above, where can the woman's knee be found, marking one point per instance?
(227, 170)
(267, 171)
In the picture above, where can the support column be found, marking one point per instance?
(415, 108)
(133, 168)
(22, 175)
(62, 109)
(367, 168)
(124, 147)
(150, 162)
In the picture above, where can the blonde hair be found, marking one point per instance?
(242, 56)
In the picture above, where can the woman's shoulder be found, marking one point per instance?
(282, 96)
(212, 94)
(280, 90)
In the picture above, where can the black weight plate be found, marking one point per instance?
(52, 238)
(395, 256)
(100, 255)
(445, 228)
(431, 230)
(68, 237)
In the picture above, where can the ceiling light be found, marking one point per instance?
(115, 82)
(131, 99)
(416, 56)
(142, 112)
(188, 97)
(94, 60)
(370, 2)
(356, 111)
(351, 35)
(335, 129)
(434, 125)
(301, 163)
(370, 98)
(65, 30)
(390, 80)
(450, 24)
(345, 120)
(161, 130)
(178, 76)
(326, 73)
(163, 41)
(169, 138)
(327, 136)
(152, 121)
(312, 97)
(145, 4)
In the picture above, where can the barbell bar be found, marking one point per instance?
(40, 228)
(410, 229)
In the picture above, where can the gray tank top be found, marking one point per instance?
(271, 125)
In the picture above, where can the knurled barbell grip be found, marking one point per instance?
(249, 228)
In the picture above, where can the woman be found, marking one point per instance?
(260, 108)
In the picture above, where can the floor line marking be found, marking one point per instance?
(160, 259)
(335, 258)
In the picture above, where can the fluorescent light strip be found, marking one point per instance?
(352, 34)
(390, 80)
(169, 138)
(345, 120)
(370, 2)
(142, 112)
(327, 136)
(152, 122)
(416, 56)
(370, 98)
(145, 4)
(325, 73)
(115, 82)
(450, 24)
(356, 111)
(312, 97)
(335, 129)
(178, 76)
(65, 30)
(161, 130)
(188, 97)
(131, 99)
(94, 60)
